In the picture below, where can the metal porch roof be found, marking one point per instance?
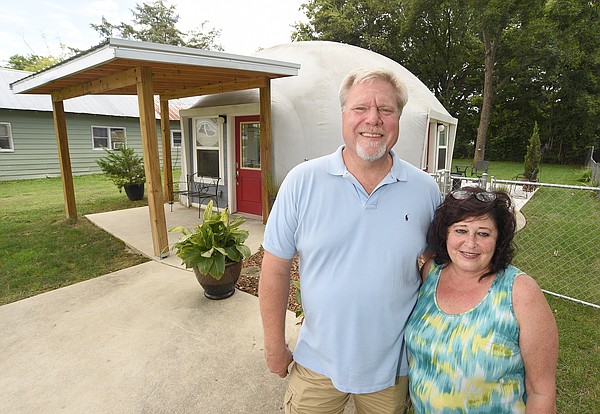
(175, 69)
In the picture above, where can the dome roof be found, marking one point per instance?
(306, 108)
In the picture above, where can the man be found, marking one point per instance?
(358, 219)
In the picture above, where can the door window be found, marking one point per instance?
(250, 144)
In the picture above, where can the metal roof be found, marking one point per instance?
(112, 105)
(174, 68)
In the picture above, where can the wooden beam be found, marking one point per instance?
(235, 85)
(66, 174)
(99, 86)
(266, 151)
(165, 127)
(156, 206)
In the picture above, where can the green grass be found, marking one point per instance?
(549, 173)
(42, 251)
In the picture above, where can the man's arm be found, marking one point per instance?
(273, 293)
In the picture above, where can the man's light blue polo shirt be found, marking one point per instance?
(358, 265)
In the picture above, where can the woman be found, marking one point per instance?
(482, 337)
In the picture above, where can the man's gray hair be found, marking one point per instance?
(362, 75)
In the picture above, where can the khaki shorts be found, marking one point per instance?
(312, 393)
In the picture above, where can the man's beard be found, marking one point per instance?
(371, 151)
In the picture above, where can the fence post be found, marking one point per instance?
(483, 181)
(446, 181)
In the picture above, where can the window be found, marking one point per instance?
(108, 137)
(250, 144)
(176, 139)
(207, 146)
(442, 146)
(6, 141)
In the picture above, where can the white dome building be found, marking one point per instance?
(221, 134)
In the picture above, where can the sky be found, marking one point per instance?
(41, 26)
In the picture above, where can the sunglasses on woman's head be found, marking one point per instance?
(464, 194)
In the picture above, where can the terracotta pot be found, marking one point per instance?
(222, 288)
(134, 191)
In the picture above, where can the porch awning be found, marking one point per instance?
(126, 67)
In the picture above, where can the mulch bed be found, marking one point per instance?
(248, 281)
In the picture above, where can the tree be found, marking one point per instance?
(572, 79)
(496, 65)
(370, 24)
(31, 63)
(443, 51)
(508, 35)
(533, 156)
(156, 22)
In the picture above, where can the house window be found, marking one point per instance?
(207, 146)
(176, 139)
(442, 132)
(6, 141)
(108, 137)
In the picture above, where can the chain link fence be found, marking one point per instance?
(558, 237)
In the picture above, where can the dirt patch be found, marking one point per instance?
(248, 281)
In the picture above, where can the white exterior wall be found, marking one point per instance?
(306, 113)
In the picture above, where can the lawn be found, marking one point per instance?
(549, 173)
(42, 251)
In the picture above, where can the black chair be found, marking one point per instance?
(202, 189)
(205, 188)
(479, 168)
(181, 189)
(527, 188)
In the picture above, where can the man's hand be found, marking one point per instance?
(278, 362)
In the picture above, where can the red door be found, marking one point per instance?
(247, 163)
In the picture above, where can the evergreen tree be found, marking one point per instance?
(534, 155)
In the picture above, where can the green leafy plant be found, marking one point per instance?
(586, 175)
(123, 166)
(300, 311)
(533, 157)
(213, 243)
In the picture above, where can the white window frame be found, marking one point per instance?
(173, 131)
(111, 145)
(441, 129)
(11, 143)
(219, 147)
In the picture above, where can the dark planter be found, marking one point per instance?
(529, 188)
(222, 288)
(134, 191)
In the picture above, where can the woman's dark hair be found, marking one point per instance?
(464, 204)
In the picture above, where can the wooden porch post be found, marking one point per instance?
(151, 162)
(62, 142)
(266, 152)
(165, 126)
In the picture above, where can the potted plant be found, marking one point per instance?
(214, 250)
(126, 169)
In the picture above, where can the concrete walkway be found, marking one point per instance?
(140, 340)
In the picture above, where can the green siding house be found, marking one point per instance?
(28, 142)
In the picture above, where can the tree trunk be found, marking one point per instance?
(488, 96)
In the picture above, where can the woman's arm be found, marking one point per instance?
(538, 340)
